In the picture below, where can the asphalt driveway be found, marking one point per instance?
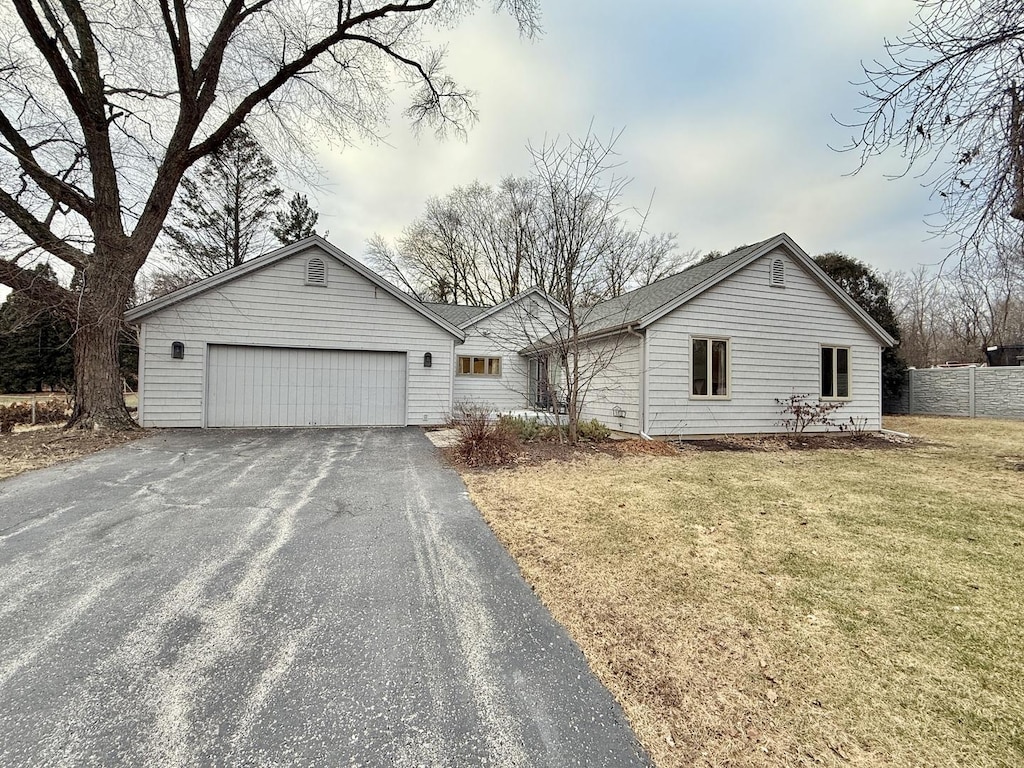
(293, 597)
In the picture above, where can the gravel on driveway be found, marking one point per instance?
(279, 598)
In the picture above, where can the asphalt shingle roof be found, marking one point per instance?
(456, 314)
(631, 307)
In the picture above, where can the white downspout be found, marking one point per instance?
(643, 382)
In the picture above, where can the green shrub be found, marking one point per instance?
(554, 433)
(526, 429)
(593, 431)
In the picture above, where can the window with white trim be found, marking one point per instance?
(709, 367)
(835, 373)
(479, 366)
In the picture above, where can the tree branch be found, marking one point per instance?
(21, 279)
(39, 233)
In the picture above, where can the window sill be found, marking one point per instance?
(711, 397)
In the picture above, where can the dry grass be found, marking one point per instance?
(854, 607)
(31, 448)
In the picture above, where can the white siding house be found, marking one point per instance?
(306, 336)
(303, 336)
(489, 370)
(712, 349)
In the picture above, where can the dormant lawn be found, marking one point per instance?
(850, 607)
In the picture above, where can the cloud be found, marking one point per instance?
(727, 109)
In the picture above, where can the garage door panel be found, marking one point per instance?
(283, 387)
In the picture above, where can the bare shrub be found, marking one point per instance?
(483, 441)
(800, 412)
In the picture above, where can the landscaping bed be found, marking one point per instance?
(30, 448)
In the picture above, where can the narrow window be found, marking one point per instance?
(316, 271)
(709, 368)
(479, 366)
(700, 367)
(835, 372)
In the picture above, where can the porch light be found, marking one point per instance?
(177, 350)
(428, 360)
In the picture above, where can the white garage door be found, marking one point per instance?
(277, 387)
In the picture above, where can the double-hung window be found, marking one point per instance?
(835, 373)
(709, 367)
(479, 366)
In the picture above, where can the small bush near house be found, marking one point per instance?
(46, 412)
(800, 412)
(593, 431)
(483, 442)
(526, 429)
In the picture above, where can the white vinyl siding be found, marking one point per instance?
(502, 335)
(775, 339)
(281, 387)
(610, 373)
(274, 307)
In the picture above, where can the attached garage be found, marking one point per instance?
(303, 336)
(282, 387)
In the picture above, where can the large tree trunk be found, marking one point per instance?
(99, 393)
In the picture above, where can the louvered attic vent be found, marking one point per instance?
(777, 273)
(316, 271)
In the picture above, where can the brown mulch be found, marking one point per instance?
(541, 451)
(38, 447)
(805, 442)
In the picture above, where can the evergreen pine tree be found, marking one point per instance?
(296, 222)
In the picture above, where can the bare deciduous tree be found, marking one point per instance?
(949, 98)
(481, 245)
(955, 316)
(105, 105)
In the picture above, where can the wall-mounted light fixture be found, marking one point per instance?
(618, 413)
(178, 350)
(428, 360)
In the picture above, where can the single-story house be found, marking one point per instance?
(712, 349)
(308, 336)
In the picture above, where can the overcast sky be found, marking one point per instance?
(727, 108)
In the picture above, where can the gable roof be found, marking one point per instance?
(465, 315)
(135, 314)
(641, 307)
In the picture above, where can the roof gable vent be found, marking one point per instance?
(777, 273)
(316, 271)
